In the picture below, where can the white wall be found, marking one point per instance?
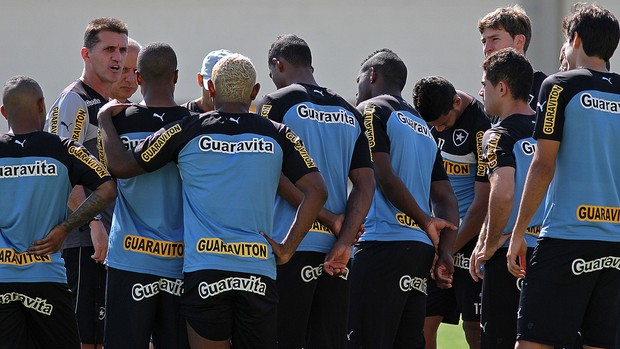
(42, 39)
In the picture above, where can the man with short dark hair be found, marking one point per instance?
(313, 286)
(572, 283)
(458, 124)
(390, 271)
(74, 115)
(37, 171)
(230, 163)
(508, 148)
(145, 257)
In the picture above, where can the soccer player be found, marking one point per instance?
(313, 306)
(572, 283)
(390, 270)
(37, 171)
(510, 27)
(230, 162)
(205, 102)
(458, 123)
(145, 256)
(508, 148)
(74, 115)
(127, 85)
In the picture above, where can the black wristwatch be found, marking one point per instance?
(96, 218)
(86, 226)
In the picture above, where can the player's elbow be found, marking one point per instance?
(107, 192)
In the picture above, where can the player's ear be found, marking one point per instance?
(4, 112)
(456, 101)
(211, 87)
(520, 42)
(176, 76)
(255, 90)
(372, 75)
(200, 82)
(138, 78)
(85, 54)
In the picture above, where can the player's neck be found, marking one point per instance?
(302, 76)
(233, 107)
(158, 97)
(592, 63)
(101, 87)
(512, 107)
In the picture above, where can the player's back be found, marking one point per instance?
(147, 228)
(581, 111)
(397, 129)
(330, 128)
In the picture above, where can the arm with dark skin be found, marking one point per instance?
(289, 192)
(445, 205)
(96, 202)
(121, 162)
(398, 194)
(314, 193)
(358, 205)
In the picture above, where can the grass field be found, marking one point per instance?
(451, 337)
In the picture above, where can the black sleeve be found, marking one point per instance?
(162, 146)
(361, 153)
(268, 109)
(439, 172)
(84, 168)
(481, 127)
(497, 148)
(550, 113)
(296, 161)
(376, 127)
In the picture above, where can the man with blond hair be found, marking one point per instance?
(204, 103)
(230, 162)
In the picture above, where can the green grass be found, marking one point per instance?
(451, 337)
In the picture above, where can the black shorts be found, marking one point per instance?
(388, 294)
(221, 305)
(571, 286)
(87, 280)
(140, 305)
(313, 306)
(463, 298)
(500, 302)
(37, 315)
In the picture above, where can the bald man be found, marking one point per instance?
(127, 85)
(37, 171)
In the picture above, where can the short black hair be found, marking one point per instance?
(293, 49)
(597, 27)
(103, 24)
(433, 96)
(157, 62)
(513, 68)
(388, 64)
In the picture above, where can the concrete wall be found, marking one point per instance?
(42, 39)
